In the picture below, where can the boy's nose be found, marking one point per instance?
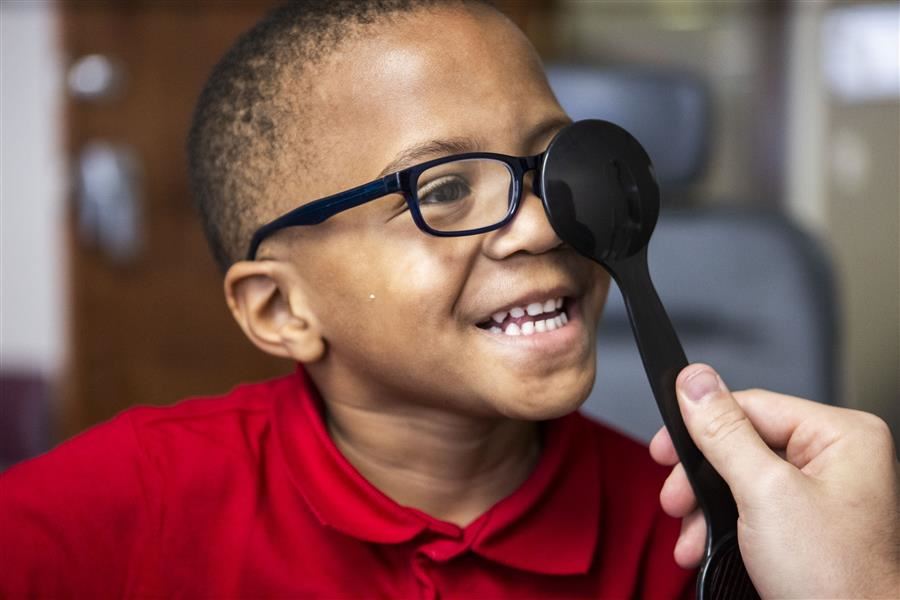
(529, 231)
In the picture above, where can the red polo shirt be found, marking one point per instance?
(246, 496)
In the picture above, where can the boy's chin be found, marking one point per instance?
(550, 401)
(542, 412)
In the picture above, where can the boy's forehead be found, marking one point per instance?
(431, 75)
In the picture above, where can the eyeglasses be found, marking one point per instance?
(463, 194)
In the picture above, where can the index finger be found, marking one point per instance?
(661, 448)
(777, 416)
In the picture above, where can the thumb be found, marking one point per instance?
(722, 431)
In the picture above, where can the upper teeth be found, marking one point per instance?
(533, 326)
(533, 309)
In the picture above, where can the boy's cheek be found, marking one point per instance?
(385, 292)
(416, 271)
(595, 299)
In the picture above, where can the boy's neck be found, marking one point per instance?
(448, 466)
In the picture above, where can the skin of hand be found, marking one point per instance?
(817, 489)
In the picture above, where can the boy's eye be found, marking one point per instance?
(445, 190)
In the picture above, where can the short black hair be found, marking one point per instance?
(239, 127)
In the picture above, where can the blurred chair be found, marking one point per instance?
(747, 291)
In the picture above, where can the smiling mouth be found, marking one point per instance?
(531, 319)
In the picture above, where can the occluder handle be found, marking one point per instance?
(663, 359)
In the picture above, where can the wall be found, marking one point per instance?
(844, 181)
(33, 291)
(32, 266)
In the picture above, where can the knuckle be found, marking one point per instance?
(869, 426)
(876, 425)
(722, 425)
(878, 432)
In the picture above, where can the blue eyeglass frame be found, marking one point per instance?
(404, 182)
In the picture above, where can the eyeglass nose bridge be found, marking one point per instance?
(528, 164)
(535, 163)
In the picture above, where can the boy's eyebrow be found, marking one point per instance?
(459, 145)
(413, 154)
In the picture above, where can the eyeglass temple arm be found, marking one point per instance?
(321, 210)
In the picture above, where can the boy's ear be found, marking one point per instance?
(273, 313)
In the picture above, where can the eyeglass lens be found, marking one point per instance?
(465, 194)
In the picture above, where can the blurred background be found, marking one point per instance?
(790, 110)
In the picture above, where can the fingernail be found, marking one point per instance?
(700, 384)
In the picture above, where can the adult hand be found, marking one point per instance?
(817, 489)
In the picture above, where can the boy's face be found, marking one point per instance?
(401, 312)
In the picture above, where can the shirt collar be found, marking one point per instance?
(548, 525)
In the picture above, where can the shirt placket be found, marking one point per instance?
(430, 556)
(421, 567)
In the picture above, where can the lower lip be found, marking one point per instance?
(546, 342)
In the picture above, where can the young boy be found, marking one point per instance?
(427, 446)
